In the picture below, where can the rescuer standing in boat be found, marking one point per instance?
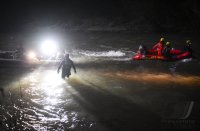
(159, 47)
(187, 46)
(167, 49)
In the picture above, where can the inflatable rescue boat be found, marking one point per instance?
(175, 55)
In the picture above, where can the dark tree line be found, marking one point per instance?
(129, 15)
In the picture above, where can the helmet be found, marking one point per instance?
(167, 43)
(66, 56)
(188, 42)
(162, 39)
(140, 47)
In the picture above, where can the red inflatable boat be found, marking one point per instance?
(176, 55)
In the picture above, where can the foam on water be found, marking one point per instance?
(87, 56)
(110, 53)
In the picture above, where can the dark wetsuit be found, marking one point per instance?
(66, 65)
(142, 50)
(188, 48)
(166, 51)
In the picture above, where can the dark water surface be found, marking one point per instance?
(109, 91)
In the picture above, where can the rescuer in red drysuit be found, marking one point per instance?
(159, 47)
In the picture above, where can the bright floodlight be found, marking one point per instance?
(31, 55)
(49, 47)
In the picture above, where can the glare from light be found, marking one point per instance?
(49, 47)
(31, 55)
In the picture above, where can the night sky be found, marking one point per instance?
(19, 11)
(23, 15)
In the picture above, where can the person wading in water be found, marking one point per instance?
(66, 65)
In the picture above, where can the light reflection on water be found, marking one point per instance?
(47, 102)
(156, 78)
(44, 105)
(51, 91)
